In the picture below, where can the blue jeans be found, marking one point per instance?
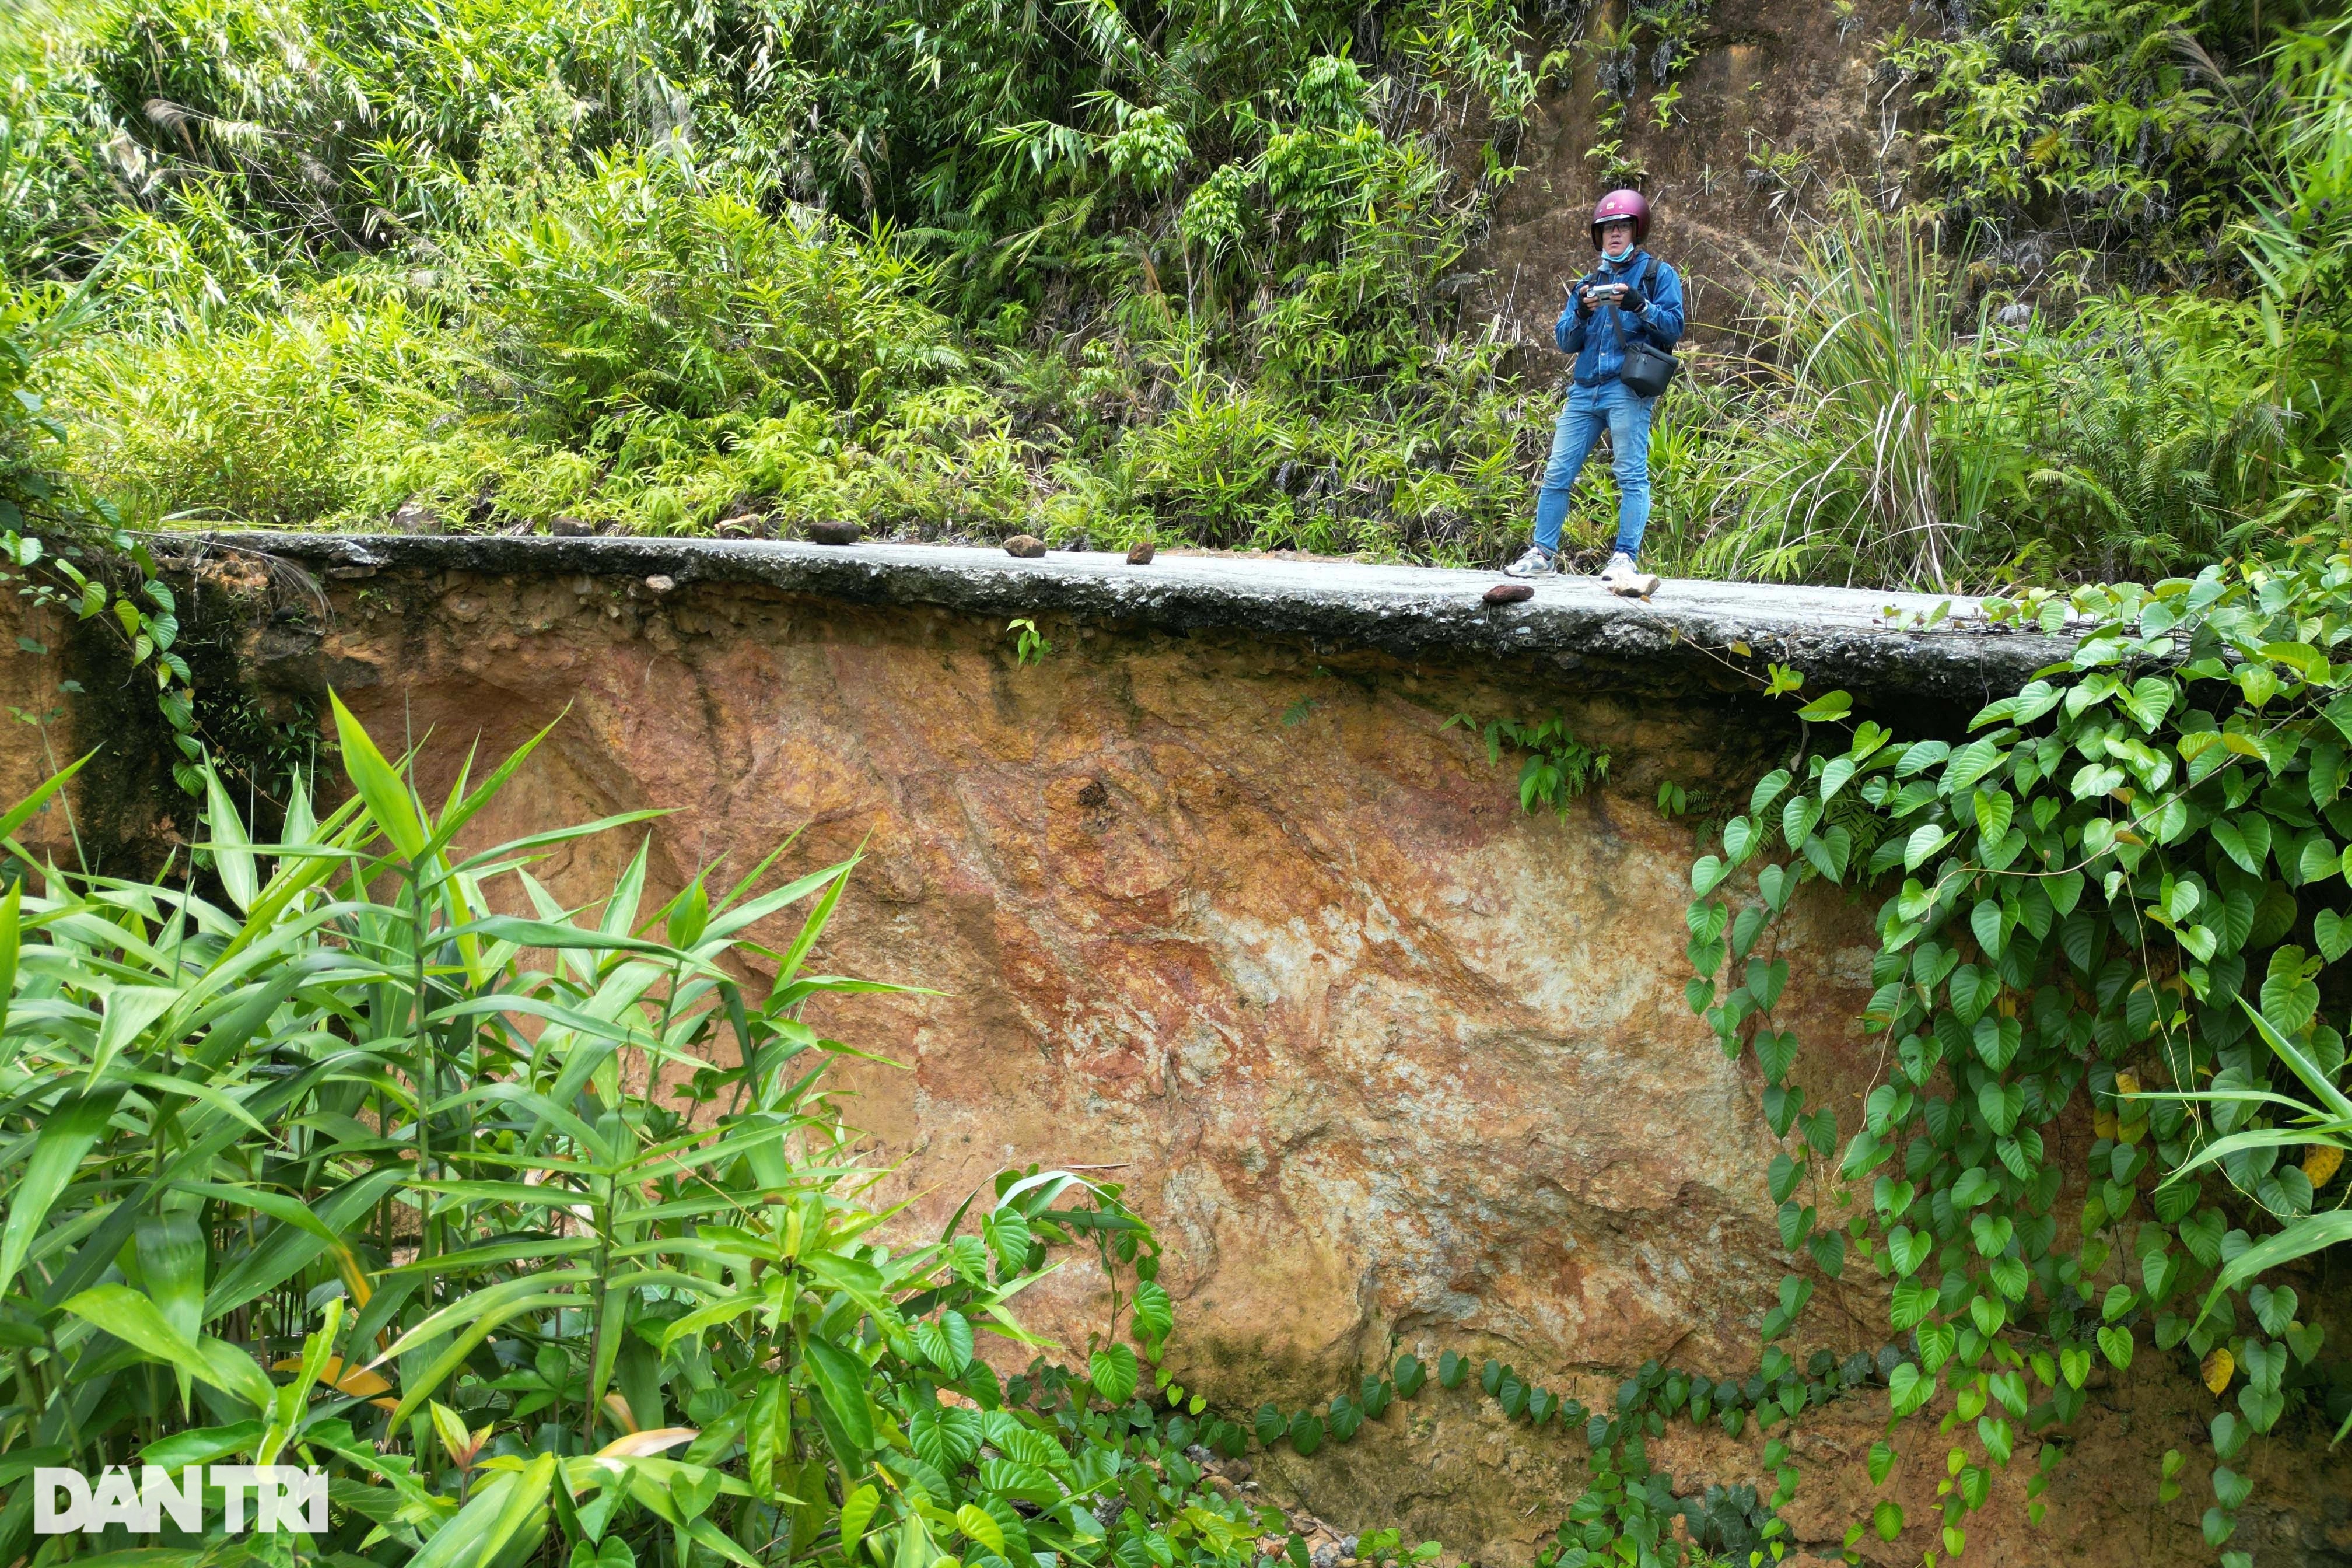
(1627, 415)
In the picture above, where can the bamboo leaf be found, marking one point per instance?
(390, 803)
(66, 1136)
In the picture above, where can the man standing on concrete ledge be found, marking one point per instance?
(1629, 305)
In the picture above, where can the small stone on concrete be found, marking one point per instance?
(1509, 592)
(1027, 546)
(415, 517)
(843, 532)
(569, 527)
(1141, 552)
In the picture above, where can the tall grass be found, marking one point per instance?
(1886, 431)
(1858, 455)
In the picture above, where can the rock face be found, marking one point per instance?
(1243, 923)
(1780, 101)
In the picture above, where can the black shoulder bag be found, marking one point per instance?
(1648, 368)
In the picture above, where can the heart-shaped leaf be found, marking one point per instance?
(1112, 1370)
(1907, 1389)
(2151, 701)
(1925, 840)
(1972, 991)
(1908, 1249)
(2074, 1365)
(2201, 1232)
(946, 1342)
(2002, 1103)
(2315, 858)
(1984, 925)
(2262, 1410)
(2273, 1309)
(1827, 707)
(1992, 1233)
(2289, 999)
(2063, 890)
(2158, 1271)
(2333, 932)
(2265, 1363)
(1996, 1437)
(1994, 811)
(2116, 1344)
(1997, 1040)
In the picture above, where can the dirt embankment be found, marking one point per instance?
(1237, 918)
(1783, 100)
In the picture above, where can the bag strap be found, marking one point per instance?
(1643, 281)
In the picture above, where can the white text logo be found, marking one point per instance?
(284, 1497)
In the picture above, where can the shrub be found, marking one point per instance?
(528, 1228)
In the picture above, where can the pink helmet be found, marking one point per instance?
(1621, 205)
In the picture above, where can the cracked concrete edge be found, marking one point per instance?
(1570, 626)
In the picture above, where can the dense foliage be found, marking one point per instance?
(1100, 271)
(66, 557)
(306, 1158)
(2117, 891)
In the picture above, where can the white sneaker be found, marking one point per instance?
(1621, 578)
(1536, 563)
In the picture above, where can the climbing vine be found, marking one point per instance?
(2117, 893)
(2121, 889)
(64, 551)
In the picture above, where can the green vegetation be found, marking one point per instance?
(66, 557)
(2120, 889)
(305, 1159)
(1557, 768)
(1120, 273)
(941, 269)
(1099, 273)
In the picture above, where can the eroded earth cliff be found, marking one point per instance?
(1230, 914)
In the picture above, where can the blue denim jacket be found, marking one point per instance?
(1582, 332)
